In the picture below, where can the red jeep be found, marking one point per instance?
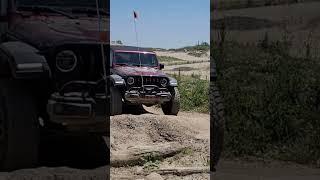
(137, 79)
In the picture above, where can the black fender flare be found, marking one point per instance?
(23, 61)
(173, 82)
(117, 80)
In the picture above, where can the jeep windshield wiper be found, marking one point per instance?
(46, 8)
(146, 65)
(136, 64)
(89, 11)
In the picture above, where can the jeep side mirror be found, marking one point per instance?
(161, 66)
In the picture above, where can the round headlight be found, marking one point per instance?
(66, 61)
(130, 80)
(163, 82)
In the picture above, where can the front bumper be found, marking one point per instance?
(147, 95)
(78, 113)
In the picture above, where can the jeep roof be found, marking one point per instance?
(130, 49)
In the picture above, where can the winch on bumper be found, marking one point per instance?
(148, 94)
(79, 111)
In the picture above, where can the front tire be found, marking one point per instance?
(173, 106)
(218, 122)
(116, 101)
(19, 125)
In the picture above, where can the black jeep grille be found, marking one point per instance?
(147, 80)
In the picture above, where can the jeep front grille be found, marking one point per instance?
(147, 80)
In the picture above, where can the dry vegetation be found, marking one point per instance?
(271, 90)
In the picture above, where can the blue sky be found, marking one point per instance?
(161, 23)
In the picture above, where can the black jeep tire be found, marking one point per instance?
(217, 123)
(115, 102)
(19, 125)
(172, 107)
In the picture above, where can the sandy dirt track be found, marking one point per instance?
(201, 69)
(183, 55)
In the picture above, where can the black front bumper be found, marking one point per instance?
(148, 94)
(79, 111)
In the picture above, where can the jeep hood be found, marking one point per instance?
(48, 31)
(138, 71)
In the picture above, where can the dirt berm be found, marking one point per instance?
(190, 131)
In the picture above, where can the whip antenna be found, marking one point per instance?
(135, 16)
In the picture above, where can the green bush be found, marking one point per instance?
(194, 93)
(272, 103)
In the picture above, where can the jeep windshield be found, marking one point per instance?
(132, 59)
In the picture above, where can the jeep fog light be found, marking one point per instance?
(164, 82)
(130, 80)
(66, 61)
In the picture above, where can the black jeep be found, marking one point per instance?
(137, 79)
(52, 73)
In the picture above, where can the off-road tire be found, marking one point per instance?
(217, 124)
(19, 126)
(173, 106)
(115, 101)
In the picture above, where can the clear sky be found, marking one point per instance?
(161, 23)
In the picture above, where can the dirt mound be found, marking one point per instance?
(188, 129)
(128, 130)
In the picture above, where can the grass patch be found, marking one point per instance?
(151, 165)
(194, 93)
(187, 151)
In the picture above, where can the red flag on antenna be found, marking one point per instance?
(135, 15)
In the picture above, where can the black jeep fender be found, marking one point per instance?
(173, 82)
(22, 61)
(117, 80)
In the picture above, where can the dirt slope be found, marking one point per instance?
(190, 129)
(183, 55)
(196, 66)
